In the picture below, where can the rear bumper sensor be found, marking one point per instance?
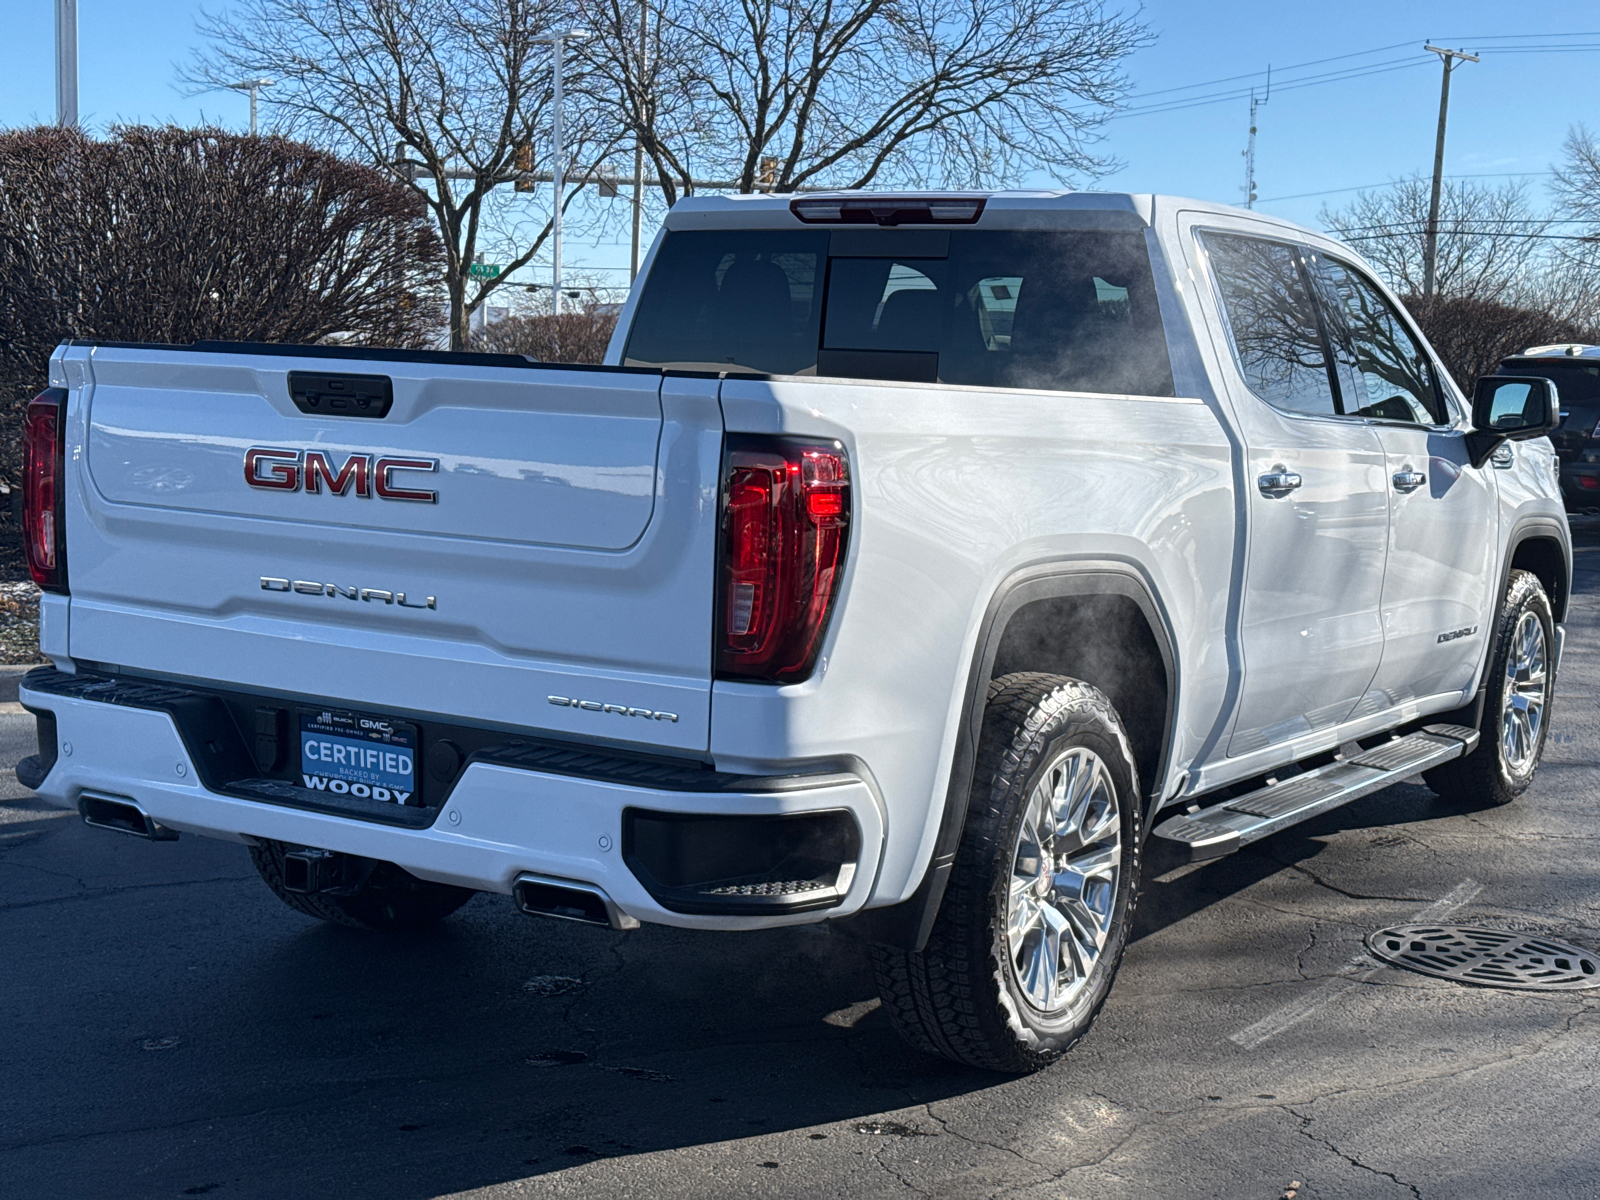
(1223, 828)
(742, 865)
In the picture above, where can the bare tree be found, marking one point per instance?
(1490, 238)
(174, 235)
(777, 95)
(452, 97)
(1473, 335)
(572, 337)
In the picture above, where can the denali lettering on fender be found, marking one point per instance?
(363, 475)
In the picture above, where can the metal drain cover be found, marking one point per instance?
(1487, 957)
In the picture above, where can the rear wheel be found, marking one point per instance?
(1516, 712)
(1035, 918)
(390, 898)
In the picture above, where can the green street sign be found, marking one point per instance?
(484, 270)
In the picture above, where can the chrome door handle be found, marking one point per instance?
(1409, 481)
(1278, 483)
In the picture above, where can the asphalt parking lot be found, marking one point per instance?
(170, 1029)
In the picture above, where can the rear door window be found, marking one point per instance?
(1277, 342)
(1040, 310)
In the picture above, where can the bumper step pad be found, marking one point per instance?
(1223, 828)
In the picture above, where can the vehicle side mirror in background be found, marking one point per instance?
(1510, 408)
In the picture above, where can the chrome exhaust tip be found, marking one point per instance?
(569, 900)
(123, 815)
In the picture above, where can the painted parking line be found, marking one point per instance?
(1358, 970)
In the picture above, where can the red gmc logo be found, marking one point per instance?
(360, 474)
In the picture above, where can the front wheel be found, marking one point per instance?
(1516, 712)
(1035, 918)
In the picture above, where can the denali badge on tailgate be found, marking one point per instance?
(365, 475)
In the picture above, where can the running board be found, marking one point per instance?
(1223, 828)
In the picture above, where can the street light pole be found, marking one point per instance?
(1430, 250)
(67, 63)
(558, 39)
(253, 86)
(638, 144)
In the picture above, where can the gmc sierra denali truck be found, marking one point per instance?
(916, 563)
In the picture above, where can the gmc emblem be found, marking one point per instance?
(361, 474)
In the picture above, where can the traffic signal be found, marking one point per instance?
(525, 167)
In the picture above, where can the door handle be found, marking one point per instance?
(1408, 480)
(1278, 483)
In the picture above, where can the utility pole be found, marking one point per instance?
(558, 40)
(1250, 149)
(1430, 250)
(253, 86)
(638, 143)
(67, 63)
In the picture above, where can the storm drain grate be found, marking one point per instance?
(1487, 957)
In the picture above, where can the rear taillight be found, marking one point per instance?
(785, 514)
(43, 447)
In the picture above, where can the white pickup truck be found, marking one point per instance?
(916, 564)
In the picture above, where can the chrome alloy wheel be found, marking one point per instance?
(1526, 691)
(1064, 876)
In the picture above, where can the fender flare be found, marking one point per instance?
(907, 924)
(1522, 529)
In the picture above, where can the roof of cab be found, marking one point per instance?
(1019, 208)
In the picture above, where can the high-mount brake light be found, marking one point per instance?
(43, 496)
(889, 210)
(785, 517)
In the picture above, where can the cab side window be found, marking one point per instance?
(1276, 341)
(1383, 371)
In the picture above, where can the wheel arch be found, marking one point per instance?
(1537, 545)
(1037, 620)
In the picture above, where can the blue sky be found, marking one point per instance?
(1508, 114)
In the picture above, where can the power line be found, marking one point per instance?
(1362, 187)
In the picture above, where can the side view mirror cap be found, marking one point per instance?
(1510, 408)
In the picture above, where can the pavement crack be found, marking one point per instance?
(1345, 892)
(100, 893)
(1305, 1131)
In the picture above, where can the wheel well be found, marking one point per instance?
(1106, 641)
(1543, 556)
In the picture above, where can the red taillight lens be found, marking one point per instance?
(786, 511)
(42, 451)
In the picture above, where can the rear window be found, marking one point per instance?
(1577, 388)
(1037, 310)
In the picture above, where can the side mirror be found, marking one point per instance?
(1510, 408)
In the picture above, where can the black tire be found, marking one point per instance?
(391, 898)
(962, 997)
(1486, 777)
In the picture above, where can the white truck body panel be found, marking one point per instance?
(573, 553)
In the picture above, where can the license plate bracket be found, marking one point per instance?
(364, 755)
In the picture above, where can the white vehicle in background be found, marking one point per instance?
(916, 564)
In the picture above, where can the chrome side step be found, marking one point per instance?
(1223, 828)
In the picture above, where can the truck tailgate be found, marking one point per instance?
(567, 551)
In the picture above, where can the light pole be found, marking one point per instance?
(66, 63)
(1430, 248)
(558, 39)
(252, 86)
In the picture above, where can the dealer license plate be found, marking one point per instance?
(357, 754)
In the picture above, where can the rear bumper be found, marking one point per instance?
(499, 821)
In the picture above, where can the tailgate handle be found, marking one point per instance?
(324, 394)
